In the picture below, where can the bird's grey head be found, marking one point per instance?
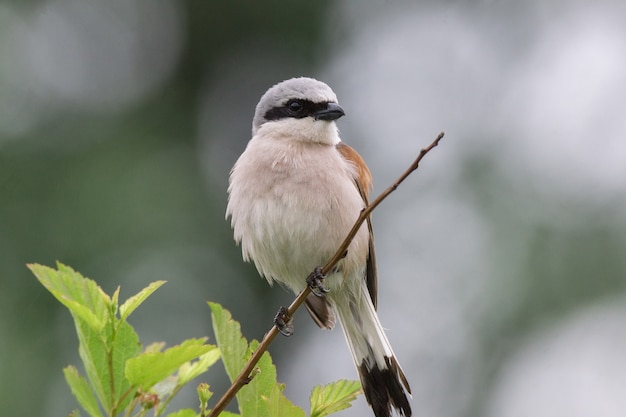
(297, 98)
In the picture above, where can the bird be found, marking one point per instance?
(293, 195)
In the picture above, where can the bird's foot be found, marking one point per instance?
(315, 281)
(283, 321)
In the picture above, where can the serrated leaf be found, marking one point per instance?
(93, 354)
(334, 397)
(125, 346)
(260, 386)
(147, 369)
(229, 339)
(133, 302)
(235, 354)
(105, 343)
(279, 406)
(190, 370)
(154, 347)
(82, 296)
(82, 391)
(94, 349)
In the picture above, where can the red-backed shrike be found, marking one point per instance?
(294, 194)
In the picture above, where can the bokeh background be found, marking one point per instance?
(502, 260)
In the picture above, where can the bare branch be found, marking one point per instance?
(244, 376)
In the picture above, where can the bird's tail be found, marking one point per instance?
(384, 383)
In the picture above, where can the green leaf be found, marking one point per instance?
(83, 297)
(93, 354)
(105, 342)
(280, 406)
(125, 346)
(190, 370)
(185, 412)
(133, 302)
(89, 306)
(154, 347)
(103, 353)
(334, 397)
(235, 354)
(147, 369)
(114, 303)
(261, 386)
(233, 346)
(82, 391)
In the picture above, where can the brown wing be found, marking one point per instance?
(363, 183)
(321, 311)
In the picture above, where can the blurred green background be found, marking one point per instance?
(502, 260)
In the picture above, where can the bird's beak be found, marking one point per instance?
(333, 111)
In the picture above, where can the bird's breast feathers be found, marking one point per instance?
(292, 203)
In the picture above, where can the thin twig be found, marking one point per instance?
(244, 376)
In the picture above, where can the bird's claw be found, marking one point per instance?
(315, 281)
(283, 321)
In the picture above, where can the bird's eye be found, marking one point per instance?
(295, 106)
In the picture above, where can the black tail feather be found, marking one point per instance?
(385, 389)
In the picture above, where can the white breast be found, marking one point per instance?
(291, 204)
